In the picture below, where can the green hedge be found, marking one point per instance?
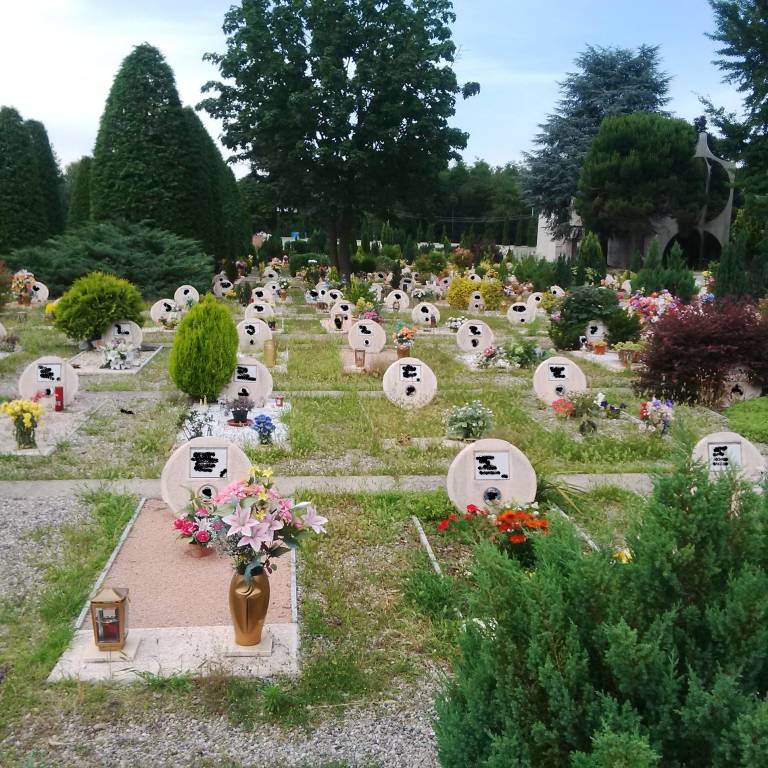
(299, 261)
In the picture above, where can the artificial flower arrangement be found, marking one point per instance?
(22, 286)
(652, 307)
(657, 415)
(609, 410)
(259, 524)
(25, 416)
(563, 407)
(579, 406)
(170, 320)
(118, 355)
(511, 527)
(404, 336)
(199, 524)
(284, 284)
(372, 314)
(264, 427)
(425, 292)
(514, 355)
(454, 323)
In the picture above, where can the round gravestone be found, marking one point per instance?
(44, 375)
(595, 331)
(186, 296)
(378, 289)
(311, 296)
(262, 294)
(722, 451)
(475, 278)
(270, 274)
(250, 379)
(335, 295)
(476, 302)
(201, 467)
(626, 286)
(474, 336)
(533, 303)
(444, 283)
(557, 377)
(490, 471)
(397, 297)
(124, 330)
(406, 284)
(423, 313)
(738, 387)
(259, 309)
(341, 315)
(519, 314)
(557, 291)
(252, 334)
(221, 284)
(367, 335)
(39, 293)
(273, 286)
(162, 308)
(322, 295)
(409, 383)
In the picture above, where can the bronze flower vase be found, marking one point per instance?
(248, 605)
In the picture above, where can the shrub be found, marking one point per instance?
(622, 326)
(363, 262)
(678, 279)
(468, 421)
(690, 352)
(299, 261)
(154, 260)
(535, 270)
(583, 304)
(463, 258)
(459, 292)
(656, 651)
(357, 290)
(204, 351)
(492, 293)
(5, 284)
(591, 266)
(94, 302)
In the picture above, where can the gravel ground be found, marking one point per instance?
(21, 517)
(389, 735)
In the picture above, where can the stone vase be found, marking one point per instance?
(248, 605)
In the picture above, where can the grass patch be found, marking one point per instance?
(750, 419)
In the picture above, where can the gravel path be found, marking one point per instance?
(21, 517)
(392, 734)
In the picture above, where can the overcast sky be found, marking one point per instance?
(58, 58)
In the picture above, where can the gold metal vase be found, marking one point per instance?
(248, 605)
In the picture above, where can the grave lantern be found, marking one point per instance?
(360, 358)
(395, 306)
(270, 353)
(109, 615)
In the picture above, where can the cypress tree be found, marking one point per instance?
(236, 225)
(142, 165)
(732, 279)
(80, 196)
(50, 177)
(22, 216)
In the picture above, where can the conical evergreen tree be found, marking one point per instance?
(237, 229)
(49, 174)
(22, 216)
(80, 196)
(732, 279)
(142, 165)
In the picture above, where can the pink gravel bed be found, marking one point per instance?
(169, 588)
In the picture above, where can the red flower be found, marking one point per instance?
(518, 538)
(203, 537)
(443, 524)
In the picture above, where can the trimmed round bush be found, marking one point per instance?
(579, 307)
(459, 292)
(492, 293)
(94, 302)
(204, 351)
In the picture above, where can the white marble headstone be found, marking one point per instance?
(259, 309)
(723, 451)
(474, 336)
(46, 373)
(490, 471)
(270, 274)
(476, 302)
(252, 334)
(738, 387)
(186, 295)
(377, 289)
(557, 291)
(626, 286)
(39, 293)
(124, 330)
(221, 284)
(519, 314)
(533, 303)
(423, 313)
(474, 277)
(367, 335)
(335, 295)
(262, 294)
(409, 383)
(558, 377)
(399, 297)
(201, 467)
(162, 308)
(250, 379)
(595, 331)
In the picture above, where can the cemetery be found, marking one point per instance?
(343, 492)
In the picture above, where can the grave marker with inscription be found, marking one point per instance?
(252, 334)
(397, 297)
(162, 309)
(558, 377)
(423, 314)
(474, 336)
(519, 313)
(252, 379)
(44, 375)
(724, 451)
(124, 330)
(367, 335)
(409, 383)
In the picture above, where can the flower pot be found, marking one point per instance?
(283, 295)
(25, 299)
(248, 606)
(599, 349)
(195, 550)
(403, 351)
(240, 415)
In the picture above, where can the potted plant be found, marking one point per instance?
(404, 337)
(25, 415)
(284, 285)
(239, 408)
(469, 421)
(259, 525)
(454, 323)
(629, 352)
(599, 347)
(264, 427)
(9, 343)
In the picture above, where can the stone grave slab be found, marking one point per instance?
(490, 471)
(185, 296)
(244, 436)
(39, 293)
(519, 314)
(262, 310)
(90, 361)
(262, 294)
(409, 383)
(596, 330)
(221, 284)
(557, 377)
(723, 451)
(474, 336)
(44, 375)
(424, 313)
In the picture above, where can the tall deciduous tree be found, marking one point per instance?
(80, 194)
(342, 104)
(49, 174)
(141, 162)
(23, 219)
(607, 82)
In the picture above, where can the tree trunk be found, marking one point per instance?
(333, 251)
(345, 238)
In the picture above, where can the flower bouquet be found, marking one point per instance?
(26, 416)
(454, 323)
(374, 315)
(609, 411)
(652, 307)
(657, 415)
(404, 336)
(563, 407)
(264, 427)
(199, 526)
(22, 286)
(469, 421)
(118, 355)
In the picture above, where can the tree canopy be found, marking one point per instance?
(607, 82)
(342, 105)
(80, 194)
(50, 177)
